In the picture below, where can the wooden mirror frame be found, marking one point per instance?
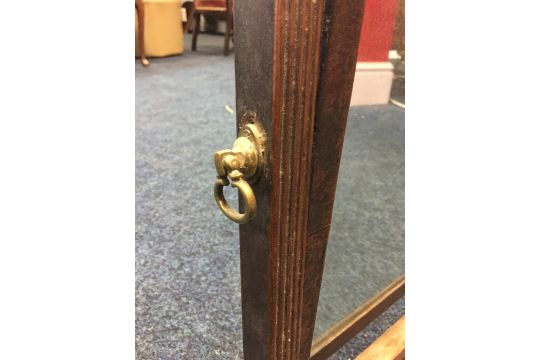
(295, 65)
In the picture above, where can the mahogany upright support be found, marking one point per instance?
(294, 74)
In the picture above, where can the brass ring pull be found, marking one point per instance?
(250, 203)
(238, 166)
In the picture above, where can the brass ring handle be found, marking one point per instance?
(245, 162)
(250, 203)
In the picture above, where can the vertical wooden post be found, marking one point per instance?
(295, 63)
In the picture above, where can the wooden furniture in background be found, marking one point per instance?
(189, 6)
(220, 10)
(139, 7)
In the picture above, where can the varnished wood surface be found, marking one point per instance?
(389, 346)
(294, 72)
(254, 22)
(339, 46)
(344, 331)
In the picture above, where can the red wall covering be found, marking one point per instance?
(377, 30)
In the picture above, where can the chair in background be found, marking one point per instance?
(220, 10)
(139, 6)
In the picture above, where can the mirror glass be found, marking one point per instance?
(365, 250)
(366, 245)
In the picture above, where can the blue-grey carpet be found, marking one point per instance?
(366, 246)
(187, 257)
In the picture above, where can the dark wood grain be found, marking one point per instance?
(254, 23)
(339, 47)
(295, 64)
(299, 28)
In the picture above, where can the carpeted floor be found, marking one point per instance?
(187, 256)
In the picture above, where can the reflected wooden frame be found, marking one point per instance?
(337, 336)
(389, 346)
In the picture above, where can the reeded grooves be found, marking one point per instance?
(297, 40)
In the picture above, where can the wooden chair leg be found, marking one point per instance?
(228, 29)
(189, 12)
(139, 6)
(196, 31)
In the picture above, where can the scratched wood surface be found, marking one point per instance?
(295, 62)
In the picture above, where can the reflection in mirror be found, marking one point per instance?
(365, 250)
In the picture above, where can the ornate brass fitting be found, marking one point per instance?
(239, 167)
